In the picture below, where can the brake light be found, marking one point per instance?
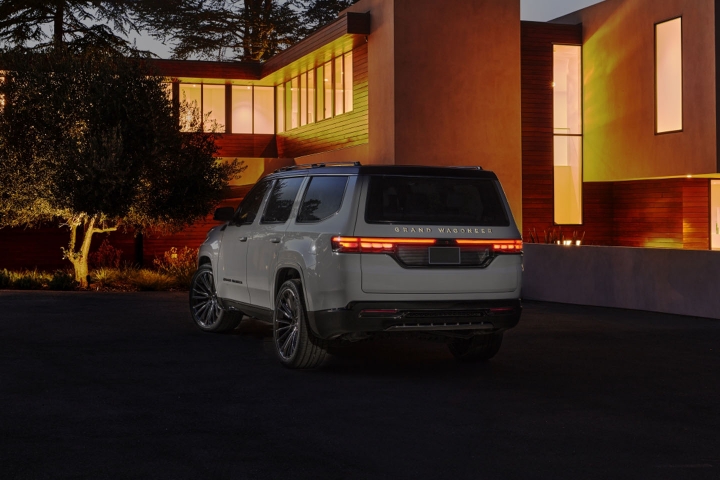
(497, 246)
(375, 245)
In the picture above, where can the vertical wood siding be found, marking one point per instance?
(346, 130)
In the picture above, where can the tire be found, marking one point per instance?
(478, 348)
(206, 311)
(295, 344)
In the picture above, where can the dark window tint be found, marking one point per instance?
(281, 200)
(248, 209)
(434, 201)
(322, 199)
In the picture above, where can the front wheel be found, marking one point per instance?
(295, 344)
(205, 308)
(478, 348)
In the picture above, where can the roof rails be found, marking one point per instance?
(467, 167)
(318, 165)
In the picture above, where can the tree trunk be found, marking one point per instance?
(58, 25)
(79, 258)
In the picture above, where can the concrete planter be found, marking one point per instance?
(684, 282)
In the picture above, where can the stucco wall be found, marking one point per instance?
(457, 84)
(619, 90)
(444, 85)
(683, 282)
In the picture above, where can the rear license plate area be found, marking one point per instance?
(444, 256)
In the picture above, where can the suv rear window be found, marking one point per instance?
(434, 201)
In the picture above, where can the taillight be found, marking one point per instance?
(375, 245)
(389, 245)
(496, 246)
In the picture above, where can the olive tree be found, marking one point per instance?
(92, 139)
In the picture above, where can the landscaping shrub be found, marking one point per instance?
(62, 280)
(149, 280)
(106, 256)
(5, 279)
(179, 264)
(29, 280)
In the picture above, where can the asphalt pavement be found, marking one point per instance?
(122, 385)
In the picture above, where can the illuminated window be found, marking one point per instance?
(319, 78)
(348, 76)
(303, 99)
(316, 94)
(264, 106)
(715, 214)
(328, 87)
(668, 76)
(192, 94)
(567, 129)
(339, 87)
(242, 109)
(280, 102)
(311, 96)
(213, 101)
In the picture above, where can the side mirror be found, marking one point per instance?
(224, 214)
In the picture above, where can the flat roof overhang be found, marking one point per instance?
(339, 37)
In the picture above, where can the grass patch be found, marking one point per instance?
(25, 280)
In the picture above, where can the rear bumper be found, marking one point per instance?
(429, 316)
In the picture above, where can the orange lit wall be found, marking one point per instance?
(619, 90)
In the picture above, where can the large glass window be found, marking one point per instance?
(339, 87)
(567, 129)
(328, 88)
(303, 99)
(213, 101)
(715, 214)
(668, 76)
(263, 108)
(192, 94)
(348, 77)
(242, 109)
(311, 96)
(280, 103)
(320, 96)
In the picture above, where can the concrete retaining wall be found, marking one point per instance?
(683, 282)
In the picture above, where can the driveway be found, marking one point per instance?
(102, 385)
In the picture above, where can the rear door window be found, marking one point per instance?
(323, 198)
(248, 209)
(434, 201)
(281, 200)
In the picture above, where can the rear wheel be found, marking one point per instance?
(477, 348)
(295, 344)
(205, 308)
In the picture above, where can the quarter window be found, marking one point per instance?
(323, 199)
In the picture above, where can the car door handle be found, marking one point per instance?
(243, 239)
(275, 240)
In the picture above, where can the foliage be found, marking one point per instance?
(75, 23)
(248, 30)
(25, 280)
(91, 138)
(106, 256)
(62, 280)
(180, 264)
(318, 13)
(555, 236)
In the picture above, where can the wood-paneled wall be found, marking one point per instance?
(246, 145)
(346, 130)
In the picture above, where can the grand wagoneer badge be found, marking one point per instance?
(469, 230)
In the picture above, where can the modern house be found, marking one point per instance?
(601, 125)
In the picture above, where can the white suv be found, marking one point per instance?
(342, 252)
